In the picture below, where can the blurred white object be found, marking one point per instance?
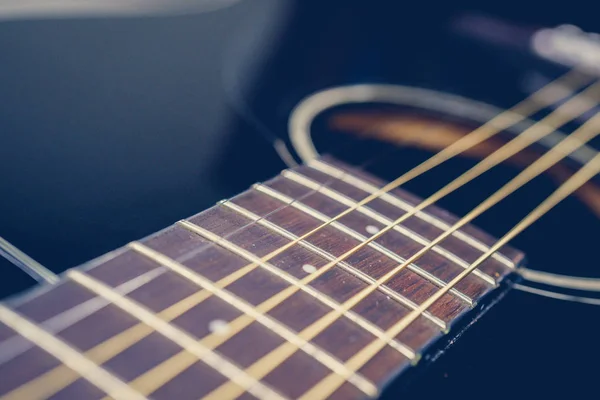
(568, 45)
(40, 9)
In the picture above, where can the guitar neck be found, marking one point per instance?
(236, 302)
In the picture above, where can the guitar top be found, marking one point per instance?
(350, 271)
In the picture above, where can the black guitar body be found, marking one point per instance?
(112, 128)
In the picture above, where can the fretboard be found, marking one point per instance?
(202, 309)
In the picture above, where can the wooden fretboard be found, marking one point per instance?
(193, 311)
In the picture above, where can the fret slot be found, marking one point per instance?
(359, 238)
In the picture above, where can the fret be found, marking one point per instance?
(361, 238)
(117, 347)
(68, 356)
(15, 345)
(347, 267)
(61, 377)
(168, 369)
(292, 339)
(391, 241)
(391, 198)
(368, 308)
(309, 183)
(330, 303)
(280, 355)
(458, 247)
(236, 376)
(407, 284)
(396, 245)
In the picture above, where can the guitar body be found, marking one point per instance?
(114, 128)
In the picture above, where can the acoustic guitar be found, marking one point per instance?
(411, 201)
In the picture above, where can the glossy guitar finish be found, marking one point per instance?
(107, 140)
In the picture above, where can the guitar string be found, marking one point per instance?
(108, 349)
(558, 296)
(329, 384)
(535, 169)
(513, 111)
(315, 104)
(489, 129)
(68, 356)
(562, 281)
(26, 264)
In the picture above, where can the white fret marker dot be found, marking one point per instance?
(371, 229)
(218, 327)
(309, 269)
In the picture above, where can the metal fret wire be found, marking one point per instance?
(164, 372)
(503, 120)
(61, 376)
(328, 256)
(14, 346)
(342, 199)
(178, 362)
(184, 340)
(258, 314)
(297, 284)
(361, 238)
(404, 205)
(112, 347)
(205, 234)
(329, 384)
(68, 356)
(571, 108)
(56, 379)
